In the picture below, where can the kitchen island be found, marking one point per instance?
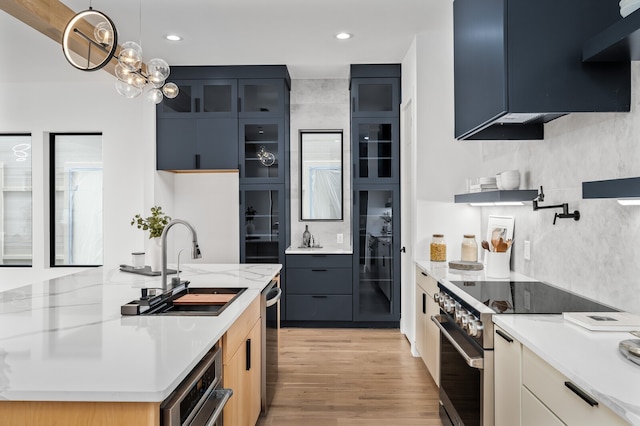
(65, 341)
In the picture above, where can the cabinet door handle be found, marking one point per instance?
(319, 270)
(353, 104)
(424, 274)
(239, 104)
(504, 336)
(586, 398)
(248, 355)
(197, 104)
(315, 296)
(197, 161)
(424, 303)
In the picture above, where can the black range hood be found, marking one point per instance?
(518, 65)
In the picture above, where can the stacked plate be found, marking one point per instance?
(628, 6)
(485, 183)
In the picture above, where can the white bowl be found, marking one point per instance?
(499, 182)
(511, 184)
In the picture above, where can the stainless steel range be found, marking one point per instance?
(466, 338)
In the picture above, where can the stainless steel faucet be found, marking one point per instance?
(195, 250)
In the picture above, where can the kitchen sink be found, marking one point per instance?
(184, 300)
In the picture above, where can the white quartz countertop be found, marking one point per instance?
(443, 274)
(319, 250)
(65, 340)
(590, 359)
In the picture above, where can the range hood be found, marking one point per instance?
(518, 65)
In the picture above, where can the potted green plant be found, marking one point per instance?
(155, 224)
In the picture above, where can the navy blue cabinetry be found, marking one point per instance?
(319, 289)
(375, 148)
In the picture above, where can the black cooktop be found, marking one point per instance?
(528, 297)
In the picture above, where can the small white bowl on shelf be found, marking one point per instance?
(509, 180)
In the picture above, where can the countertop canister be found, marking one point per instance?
(469, 248)
(438, 248)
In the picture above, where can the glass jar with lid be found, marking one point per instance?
(438, 248)
(469, 249)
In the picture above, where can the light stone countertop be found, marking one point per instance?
(590, 359)
(65, 340)
(319, 250)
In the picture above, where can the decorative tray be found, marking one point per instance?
(145, 271)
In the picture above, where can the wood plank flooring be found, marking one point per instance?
(354, 377)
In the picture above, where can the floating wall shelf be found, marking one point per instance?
(497, 196)
(619, 42)
(613, 188)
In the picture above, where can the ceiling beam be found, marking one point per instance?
(49, 17)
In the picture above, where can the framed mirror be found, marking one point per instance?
(321, 175)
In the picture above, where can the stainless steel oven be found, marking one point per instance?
(199, 399)
(466, 338)
(270, 340)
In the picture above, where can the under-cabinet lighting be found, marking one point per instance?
(499, 203)
(629, 201)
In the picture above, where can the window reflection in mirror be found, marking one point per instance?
(321, 175)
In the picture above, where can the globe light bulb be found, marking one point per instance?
(130, 56)
(170, 90)
(158, 70)
(103, 34)
(154, 95)
(127, 90)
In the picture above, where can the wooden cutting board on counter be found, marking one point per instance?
(203, 299)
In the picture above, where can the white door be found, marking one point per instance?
(407, 228)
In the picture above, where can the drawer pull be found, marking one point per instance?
(424, 274)
(424, 303)
(319, 270)
(315, 296)
(504, 336)
(586, 398)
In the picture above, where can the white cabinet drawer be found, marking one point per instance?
(553, 389)
(534, 413)
(426, 282)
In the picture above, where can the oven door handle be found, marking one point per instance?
(472, 361)
(215, 402)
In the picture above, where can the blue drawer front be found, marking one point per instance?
(318, 261)
(319, 281)
(319, 308)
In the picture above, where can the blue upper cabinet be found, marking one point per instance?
(260, 98)
(223, 118)
(262, 150)
(375, 97)
(376, 150)
(202, 98)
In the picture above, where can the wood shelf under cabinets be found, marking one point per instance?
(499, 196)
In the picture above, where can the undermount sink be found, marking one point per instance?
(188, 301)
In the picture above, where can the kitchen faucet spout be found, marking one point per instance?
(195, 250)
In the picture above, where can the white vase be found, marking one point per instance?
(154, 254)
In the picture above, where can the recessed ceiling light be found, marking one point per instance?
(173, 37)
(343, 36)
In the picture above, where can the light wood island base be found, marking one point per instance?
(56, 413)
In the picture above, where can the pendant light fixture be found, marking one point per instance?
(133, 77)
(90, 41)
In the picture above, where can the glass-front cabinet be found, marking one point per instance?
(376, 251)
(376, 149)
(261, 150)
(202, 98)
(262, 98)
(375, 97)
(262, 240)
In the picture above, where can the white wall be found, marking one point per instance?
(320, 105)
(597, 256)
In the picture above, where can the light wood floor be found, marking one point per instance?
(351, 377)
